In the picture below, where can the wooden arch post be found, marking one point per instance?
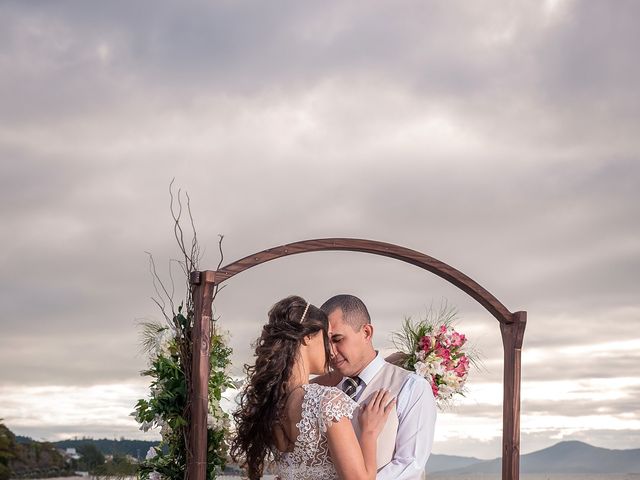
(512, 327)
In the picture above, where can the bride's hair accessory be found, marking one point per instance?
(304, 314)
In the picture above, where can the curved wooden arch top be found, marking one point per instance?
(512, 327)
(448, 273)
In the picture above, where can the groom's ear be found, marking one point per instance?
(367, 329)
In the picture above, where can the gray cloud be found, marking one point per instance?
(627, 405)
(499, 140)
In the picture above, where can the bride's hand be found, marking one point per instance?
(374, 415)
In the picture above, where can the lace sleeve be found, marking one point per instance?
(334, 404)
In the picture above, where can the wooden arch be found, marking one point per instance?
(203, 283)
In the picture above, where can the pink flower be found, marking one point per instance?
(443, 352)
(463, 366)
(440, 358)
(426, 343)
(457, 339)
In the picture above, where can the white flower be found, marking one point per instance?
(163, 344)
(211, 420)
(216, 423)
(155, 476)
(445, 391)
(434, 365)
(422, 369)
(159, 421)
(452, 380)
(216, 416)
(225, 336)
(151, 453)
(165, 430)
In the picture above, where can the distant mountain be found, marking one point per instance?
(438, 463)
(564, 457)
(136, 448)
(24, 440)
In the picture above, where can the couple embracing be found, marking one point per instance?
(359, 418)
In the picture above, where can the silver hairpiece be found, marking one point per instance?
(304, 314)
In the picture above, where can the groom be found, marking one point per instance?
(405, 443)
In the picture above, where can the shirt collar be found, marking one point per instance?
(370, 371)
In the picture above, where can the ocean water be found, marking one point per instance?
(435, 476)
(549, 476)
(539, 476)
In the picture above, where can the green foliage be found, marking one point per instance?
(170, 360)
(7, 451)
(219, 381)
(116, 447)
(19, 459)
(90, 457)
(167, 407)
(119, 466)
(408, 338)
(5, 473)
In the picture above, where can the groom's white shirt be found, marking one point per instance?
(416, 409)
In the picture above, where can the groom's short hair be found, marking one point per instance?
(354, 311)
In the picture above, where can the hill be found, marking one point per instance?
(136, 448)
(33, 459)
(570, 457)
(438, 463)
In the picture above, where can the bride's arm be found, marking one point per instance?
(353, 459)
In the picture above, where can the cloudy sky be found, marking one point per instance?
(498, 137)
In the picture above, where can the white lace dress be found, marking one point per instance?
(310, 459)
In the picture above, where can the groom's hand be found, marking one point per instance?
(374, 414)
(397, 358)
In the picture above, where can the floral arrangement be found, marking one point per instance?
(436, 351)
(167, 407)
(169, 349)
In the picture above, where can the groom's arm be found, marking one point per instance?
(416, 421)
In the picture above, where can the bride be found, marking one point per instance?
(304, 427)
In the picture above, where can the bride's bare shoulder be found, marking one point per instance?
(330, 379)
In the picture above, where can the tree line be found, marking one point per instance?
(23, 457)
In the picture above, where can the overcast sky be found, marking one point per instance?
(498, 137)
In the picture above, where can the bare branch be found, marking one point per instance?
(217, 287)
(221, 238)
(177, 227)
(158, 285)
(173, 285)
(181, 319)
(195, 247)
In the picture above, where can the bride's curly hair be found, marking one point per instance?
(263, 399)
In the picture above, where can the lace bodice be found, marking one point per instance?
(309, 460)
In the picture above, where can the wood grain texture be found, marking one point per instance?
(202, 291)
(512, 326)
(447, 272)
(512, 337)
